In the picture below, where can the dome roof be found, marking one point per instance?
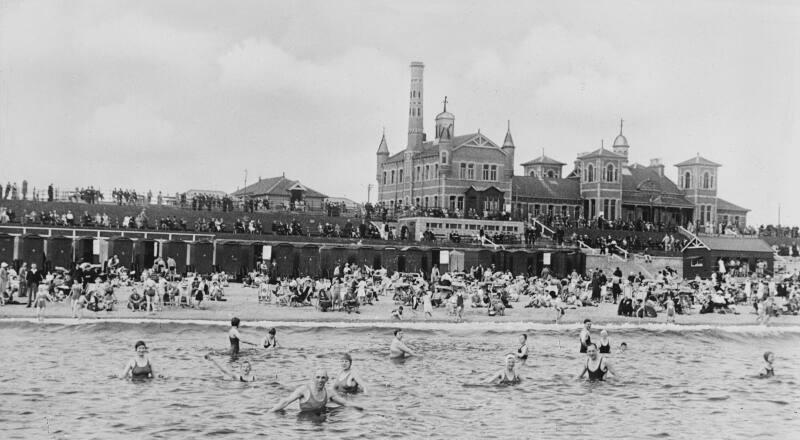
(445, 115)
(620, 141)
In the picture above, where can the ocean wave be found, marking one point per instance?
(450, 327)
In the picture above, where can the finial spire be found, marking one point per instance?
(620, 125)
(602, 144)
(509, 125)
(445, 104)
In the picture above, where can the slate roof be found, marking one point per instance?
(278, 186)
(698, 160)
(736, 244)
(543, 160)
(602, 152)
(728, 206)
(534, 187)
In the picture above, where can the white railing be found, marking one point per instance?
(583, 245)
(98, 232)
(623, 251)
(544, 228)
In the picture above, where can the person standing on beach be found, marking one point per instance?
(427, 306)
(585, 336)
(235, 338)
(398, 349)
(671, 309)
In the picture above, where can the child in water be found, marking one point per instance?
(768, 370)
(398, 313)
(270, 341)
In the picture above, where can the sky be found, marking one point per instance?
(173, 95)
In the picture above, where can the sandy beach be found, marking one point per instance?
(242, 302)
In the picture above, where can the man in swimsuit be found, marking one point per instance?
(398, 349)
(509, 375)
(244, 375)
(234, 337)
(586, 337)
(596, 366)
(522, 351)
(313, 397)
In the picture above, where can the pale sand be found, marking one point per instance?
(243, 303)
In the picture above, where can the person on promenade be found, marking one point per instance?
(596, 366)
(244, 375)
(139, 368)
(312, 397)
(347, 382)
(235, 337)
(508, 375)
(398, 349)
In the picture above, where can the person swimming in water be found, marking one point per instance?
(313, 397)
(596, 366)
(270, 341)
(508, 375)
(235, 337)
(768, 370)
(398, 349)
(585, 336)
(347, 382)
(244, 375)
(139, 368)
(623, 347)
(605, 344)
(522, 351)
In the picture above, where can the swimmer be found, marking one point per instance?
(398, 313)
(244, 374)
(398, 349)
(522, 351)
(270, 341)
(348, 382)
(623, 347)
(312, 397)
(234, 337)
(605, 344)
(507, 376)
(768, 370)
(139, 368)
(586, 337)
(596, 366)
(42, 296)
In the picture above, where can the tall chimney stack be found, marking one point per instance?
(415, 128)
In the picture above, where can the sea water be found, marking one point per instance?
(57, 380)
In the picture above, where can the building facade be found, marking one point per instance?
(465, 174)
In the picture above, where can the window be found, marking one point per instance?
(712, 182)
(533, 173)
(435, 171)
(460, 202)
(551, 174)
(392, 181)
(384, 177)
(536, 209)
(486, 172)
(427, 170)
(416, 201)
(493, 173)
(590, 173)
(426, 201)
(687, 180)
(611, 173)
(706, 178)
(400, 176)
(452, 202)
(471, 171)
(419, 174)
(606, 208)
(592, 208)
(436, 201)
(462, 171)
(444, 157)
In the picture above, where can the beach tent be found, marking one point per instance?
(32, 249)
(59, 252)
(178, 250)
(7, 245)
(122, 247)
(201, 256)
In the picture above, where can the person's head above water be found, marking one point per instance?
(246, 367)
(769, 356)
(347, 361)
(140, 347)
(510, 360)
(587, 323)
(320, 378)
(591, 350)
(603, 333)
(235, 322)
(523, 338)
(398, 333)
(272, 331)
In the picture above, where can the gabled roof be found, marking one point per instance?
(543, 160)
(474, 140)
(728, 206)
(736, 244)
(534, 187)
(642, 178)
(277, 186)
(601, 152)
(698, 160)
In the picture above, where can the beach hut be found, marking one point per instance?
(178, 250)
(32, 249)
(412, 256)
(485, 258)
(284, 255)
(84, 250)
(456, 261)
(59, 252)
(227, 256)
(145, 252)
(309, 264)
(471, 259)
(7, 245)
(389, 257)
(201, 256)
(558, 264)
(332, 256)
(703, 254)
(370, 257)
(521, 260)
(122, 247)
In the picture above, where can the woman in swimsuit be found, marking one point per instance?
(605, 344)
(507, 376)
(139, 367)
(269, 340)
(522, 351)
(312, 397)
(42, 296)
(244, 374)
(347, 382)
(596, 366)
(768, 370)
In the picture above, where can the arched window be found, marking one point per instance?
(590, 173)
(687, 180)
(706, 178)
(533, 173)
(611, 173)
(384, 177)
(444, 157)
(712, 182)
(550, 174)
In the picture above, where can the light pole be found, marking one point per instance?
(369, 191)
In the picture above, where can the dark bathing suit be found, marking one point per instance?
(138, 372)
(519, 350)
(234, 345)
(769, 372)
(598, 373)
(508, 381)
(605, 348)
(314, 405)
(584, 345)
(349, 389)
